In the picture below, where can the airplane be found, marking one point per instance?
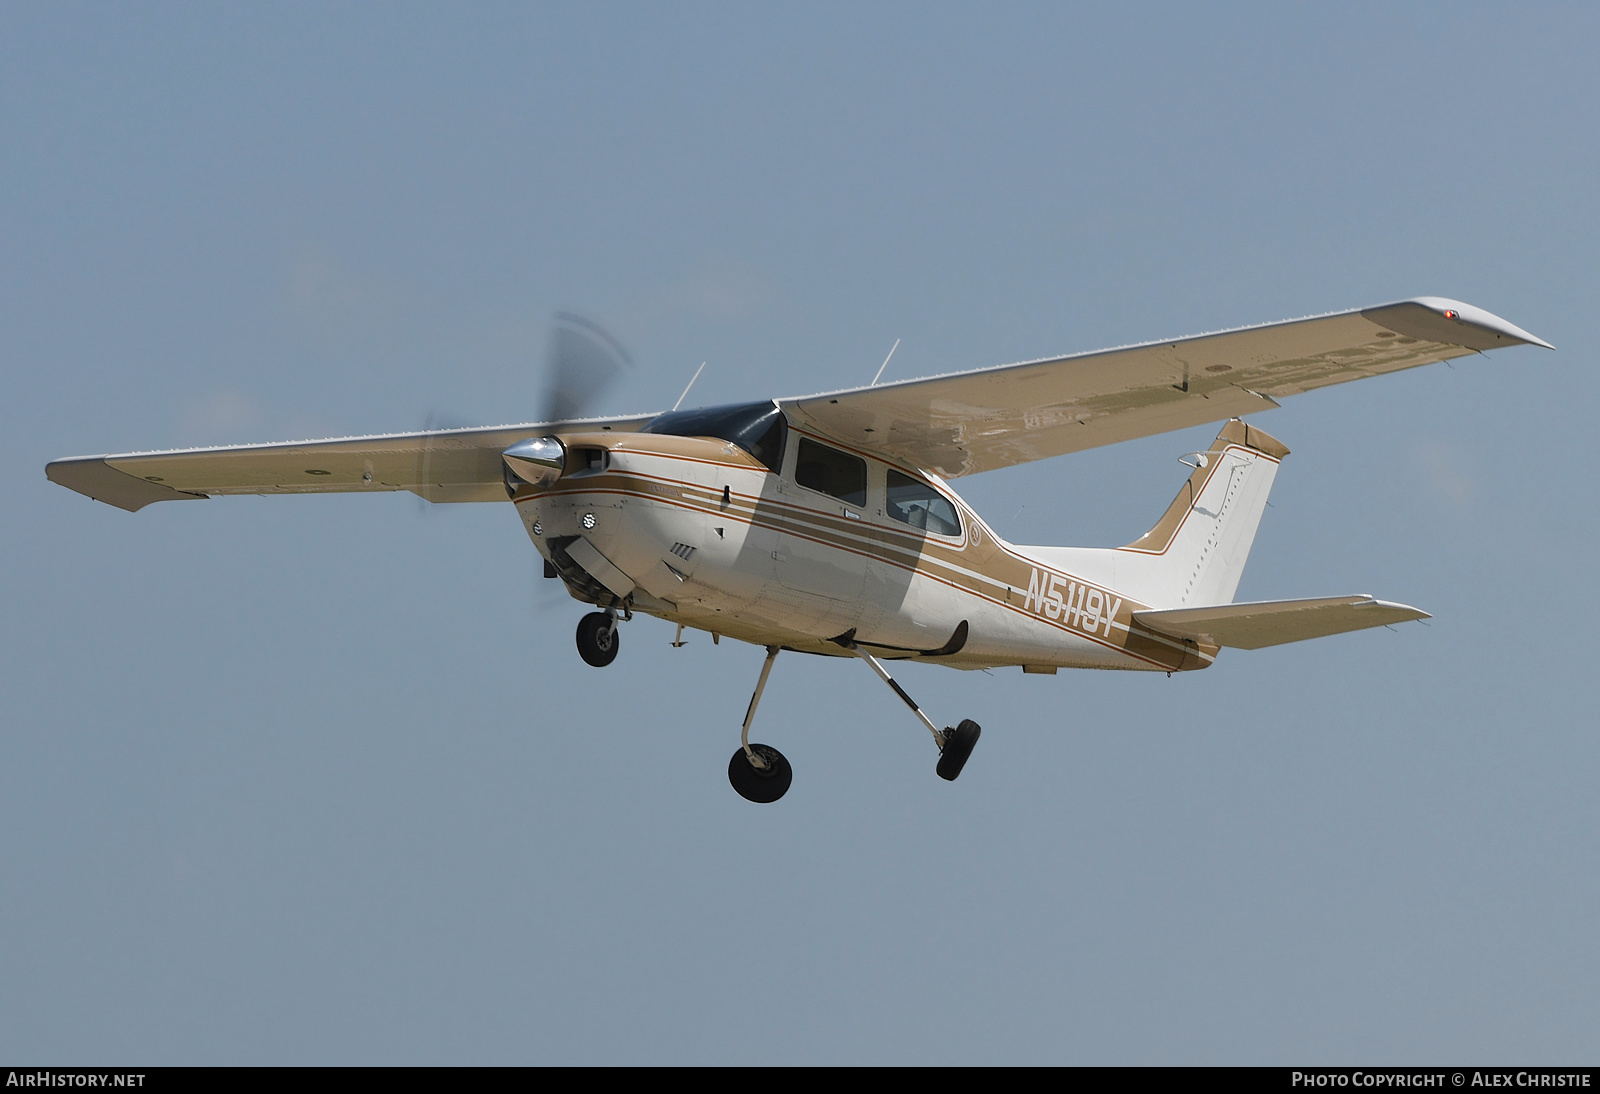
(826, 524)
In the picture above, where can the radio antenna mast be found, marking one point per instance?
(692, 379)
(885, 363)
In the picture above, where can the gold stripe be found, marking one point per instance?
(982, 578)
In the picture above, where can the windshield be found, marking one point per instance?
(758, 428)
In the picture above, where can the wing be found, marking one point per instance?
(441, 465)
(1273, 622)
(966, 422)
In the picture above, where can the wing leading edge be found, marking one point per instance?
(964, 423)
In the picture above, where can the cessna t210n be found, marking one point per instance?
(826, 524)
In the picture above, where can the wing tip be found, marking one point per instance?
(1390, 605)
(1466, 319)
(94, 478)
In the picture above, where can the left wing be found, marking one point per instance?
(440, 465)
(968, 422)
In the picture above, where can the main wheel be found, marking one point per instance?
(958, 744)
(598, 639)
(763, 785)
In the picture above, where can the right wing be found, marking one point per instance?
(1273, 622)
(440, 465)
(967, 422)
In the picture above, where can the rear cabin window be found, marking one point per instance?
(913, 502)
(838, 474)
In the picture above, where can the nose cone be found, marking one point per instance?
(537, 461)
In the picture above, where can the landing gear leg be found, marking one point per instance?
(598, 639)
(955, 745)
(759, 772)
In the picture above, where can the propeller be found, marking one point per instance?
(584, 361)
(433, 423)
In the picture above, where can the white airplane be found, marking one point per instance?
(824, 524)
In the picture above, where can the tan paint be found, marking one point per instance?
(982, 565)
(1235, 432)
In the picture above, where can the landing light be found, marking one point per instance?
(587, 520)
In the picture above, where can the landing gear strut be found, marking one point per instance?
(759, 772)
(598, 639)
(955, 745)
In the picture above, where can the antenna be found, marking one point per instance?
(885, 363)
(692, 379)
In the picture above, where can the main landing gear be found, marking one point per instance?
(958, 744)
(598, 639)
(760, 773)
(955, 745)
(763, 784)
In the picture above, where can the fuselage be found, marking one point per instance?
(825, 546)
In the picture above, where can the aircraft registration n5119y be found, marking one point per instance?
(825, 524)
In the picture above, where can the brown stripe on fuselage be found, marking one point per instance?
(990, 570)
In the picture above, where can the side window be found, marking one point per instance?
(836, 473)
(920, 505)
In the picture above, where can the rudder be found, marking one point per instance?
(1198, 549)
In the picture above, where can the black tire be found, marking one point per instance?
(760, 785)
(958, 744)
(598, 639)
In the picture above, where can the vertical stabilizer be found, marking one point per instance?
(1196, 552)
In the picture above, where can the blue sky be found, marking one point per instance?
(322, 780)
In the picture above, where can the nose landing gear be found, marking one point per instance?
(598, 639)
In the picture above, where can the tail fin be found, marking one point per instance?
(1196, 552)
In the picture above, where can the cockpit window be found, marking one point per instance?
(839, 474)
(920, 505)
(758, 428)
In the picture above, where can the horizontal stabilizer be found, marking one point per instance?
(1274, 622)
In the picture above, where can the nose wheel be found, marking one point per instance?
(598, 639)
